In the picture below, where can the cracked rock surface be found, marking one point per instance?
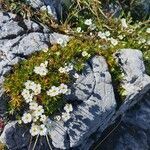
(134, 131)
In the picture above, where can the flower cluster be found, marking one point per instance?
(54, 91)
(35, 114)
(85, 54)
(90, 24)
(41, 70)
(65, 115)
(106, 35)
(61, 42)
(30, 90)
(66, 69)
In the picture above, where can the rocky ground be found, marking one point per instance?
(95, 104)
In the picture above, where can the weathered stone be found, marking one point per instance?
(134, 130)
(53, 7)
(135, 80)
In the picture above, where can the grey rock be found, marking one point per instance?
(134, 130)
(135, 81)
(54, 7)
(140, 9)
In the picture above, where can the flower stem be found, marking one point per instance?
(48, 143)
(35, 142)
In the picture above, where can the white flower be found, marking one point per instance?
(148, 42)
(78, 29)
(35, 117)
(68, 108)
(65, 116)
(41, 70)
(84, 54)
(35, 130)
(26, 118)
(37, 89)
(44, 64)
(62, 70)
(39, 111)
(148, 30)
(54, 91)
(88, 22)
(25, 93)
(29, 98)
(107, 33)
(61, 42)
(69, 67)
(120, 37)
(68, 92)
(101, 35)
(33, 106)
(43, 118)
(57, 118)
(124, 23)
(43, 130)
(92, 27)
(43, 8)
(76, 76)
(63, 88)
(141, 41)
(113, 41)
(45, 50)
(29, 84)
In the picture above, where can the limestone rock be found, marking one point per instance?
(134, 130)
(135, 80)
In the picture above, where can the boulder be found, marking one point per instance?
(134, 129)
(135, 81)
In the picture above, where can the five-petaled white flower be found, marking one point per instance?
(78, 29)
(41, 70)
(43, 130)
(43, 118)
(68, 108)
(54, 91)
(63, 88)
(33, 105)
(88, 22)
(148, 30)
(84, 54)
(35, 130)
(26, 118)
(65, 116)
